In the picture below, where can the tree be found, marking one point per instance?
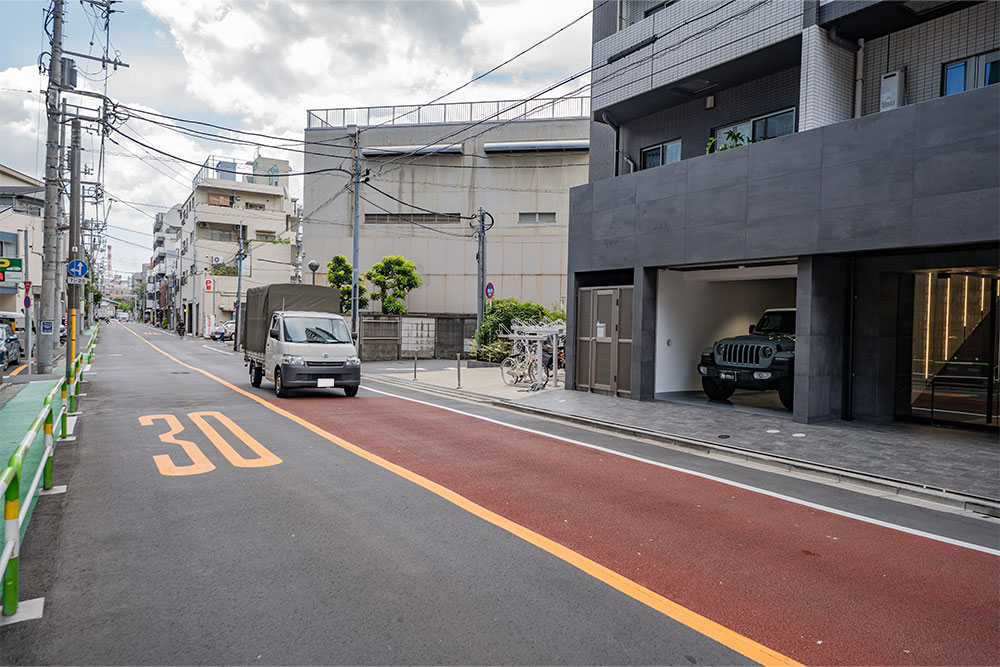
(393, 277)
(339, 274)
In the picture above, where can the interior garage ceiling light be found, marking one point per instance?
(924, 6)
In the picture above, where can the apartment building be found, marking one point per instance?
(853, 176)
(22, 202)
(166, 229)
(232, 203)
(430, 168)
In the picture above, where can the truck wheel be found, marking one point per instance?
(786, 392)
(279, 387)
(256, 374)
(351, 391)
(716, 391)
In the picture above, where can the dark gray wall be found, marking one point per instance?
(693, 124)
(920, 176)
(820, 325)
(604, 19)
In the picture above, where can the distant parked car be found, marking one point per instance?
(10, 347)
(224, 331)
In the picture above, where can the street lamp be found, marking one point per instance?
(313, 266)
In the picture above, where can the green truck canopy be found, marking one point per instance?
(262, 302)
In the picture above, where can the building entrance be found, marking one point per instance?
(955, 347)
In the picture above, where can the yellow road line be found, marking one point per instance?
(19, 369)
(705, 626)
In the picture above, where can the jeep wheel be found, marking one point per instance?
(786, 392)
(716, 391)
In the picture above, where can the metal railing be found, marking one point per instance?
(52, 412)
(450, 112)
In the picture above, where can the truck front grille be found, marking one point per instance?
(325, 364)
(741, 354)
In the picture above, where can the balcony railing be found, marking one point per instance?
(450, 112)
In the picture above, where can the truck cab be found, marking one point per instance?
(308, 349)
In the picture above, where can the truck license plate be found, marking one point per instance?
(326, 382)
(727, 375)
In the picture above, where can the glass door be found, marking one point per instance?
(955, 347)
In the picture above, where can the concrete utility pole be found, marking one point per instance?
(299, 252)
(237, 339)
(357, 244)
(480, 234)
(28, 320)
(75, 201)
(50, 257)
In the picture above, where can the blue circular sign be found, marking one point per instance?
(27, 302)
(489, 290)
(77, 268)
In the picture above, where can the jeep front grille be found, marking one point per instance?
(741, 354)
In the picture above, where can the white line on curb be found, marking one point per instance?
(772, 494)
(215, 349)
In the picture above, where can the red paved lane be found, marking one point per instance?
(820, 588)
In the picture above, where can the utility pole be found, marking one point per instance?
(75, 202)
(50, 257)
(480, 234)
(357, 244)
(237, 338)
(299, 252)
(28, 320)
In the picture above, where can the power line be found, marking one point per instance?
(414, 206)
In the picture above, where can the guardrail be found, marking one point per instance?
(11, 477)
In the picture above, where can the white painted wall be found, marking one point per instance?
(692, 313)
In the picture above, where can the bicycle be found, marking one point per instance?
(520, 365)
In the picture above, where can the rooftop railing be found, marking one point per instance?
(450, 112)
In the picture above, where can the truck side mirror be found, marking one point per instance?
(751, 329)
(273, 334)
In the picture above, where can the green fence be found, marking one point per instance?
(58, 403)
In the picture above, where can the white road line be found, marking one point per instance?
(215, 349)
(772, 494)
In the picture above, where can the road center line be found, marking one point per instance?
(745, 487)
(705, 626)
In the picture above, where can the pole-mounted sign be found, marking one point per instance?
(489, 290)
(76, 272)
(209, 284)
(11, 271)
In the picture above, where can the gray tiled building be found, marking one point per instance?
(858, 184)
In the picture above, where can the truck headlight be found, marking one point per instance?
(353, 361)
(295, 361)
(762, 375)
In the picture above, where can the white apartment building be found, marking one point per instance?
(230, 202)
(429, 168)
(22, 201)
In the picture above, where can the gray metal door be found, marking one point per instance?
(604, 340)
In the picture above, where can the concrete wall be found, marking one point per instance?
(524, 260)
(920, 176)
(694, 313)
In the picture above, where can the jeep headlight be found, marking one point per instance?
(719, 349)
(766, 352)
(353, 361)
(295, 361)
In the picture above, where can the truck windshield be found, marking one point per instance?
(316, 330)
(779, 322)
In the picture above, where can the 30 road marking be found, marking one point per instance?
(199, 462)
(701, 624)
(729, 482)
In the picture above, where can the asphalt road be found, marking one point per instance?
(207, 522)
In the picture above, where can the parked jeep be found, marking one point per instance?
(763, 360)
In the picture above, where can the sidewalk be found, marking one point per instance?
(906, 456)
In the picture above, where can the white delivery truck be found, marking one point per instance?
(294, 336)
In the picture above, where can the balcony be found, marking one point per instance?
(923, 175)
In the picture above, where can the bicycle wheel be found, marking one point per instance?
(508, 369)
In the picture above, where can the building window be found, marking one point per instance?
(251, 206)
(220, 200)
(760, 128)
(535, 218)
(265, 236)
(969, 73)
(223, 235)
(412, 218)
(667, 153)
(658, 7)
(272, 175)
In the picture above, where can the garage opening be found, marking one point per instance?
(700, 309)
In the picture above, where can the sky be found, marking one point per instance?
(258, 65)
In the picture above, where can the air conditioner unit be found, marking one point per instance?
(216, 259)
(891, 91)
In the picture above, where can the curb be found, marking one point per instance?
(822, 472)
